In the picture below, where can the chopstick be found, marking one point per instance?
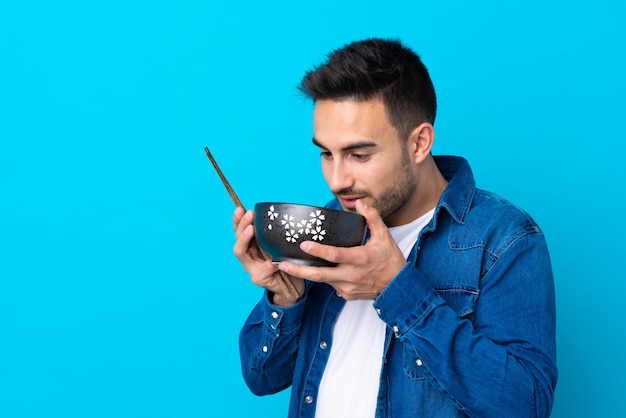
(283, 279)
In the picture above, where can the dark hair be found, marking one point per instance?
(377, 68)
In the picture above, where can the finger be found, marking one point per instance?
(237, 215)
(330, 253)
(315, 274)
(265, 270)
(246, 220)
(372, 217)
(242, 243)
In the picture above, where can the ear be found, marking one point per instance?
(421, 142)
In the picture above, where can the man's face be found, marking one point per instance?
(363, 156)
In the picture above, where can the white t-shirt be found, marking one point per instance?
(349, 386)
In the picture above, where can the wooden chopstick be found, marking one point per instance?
(283, 279)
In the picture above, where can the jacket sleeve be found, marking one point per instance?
(268, 343)
(500, 359)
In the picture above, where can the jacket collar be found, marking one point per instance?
(458, 195)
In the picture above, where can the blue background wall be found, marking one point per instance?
(119, 294)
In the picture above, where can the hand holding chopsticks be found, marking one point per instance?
(282, 277)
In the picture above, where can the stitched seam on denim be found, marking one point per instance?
(462, 289)
(456, 247)
(420, 316)
(466, 291)
(260, 358)
(506, 245)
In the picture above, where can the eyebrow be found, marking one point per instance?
(351, 147)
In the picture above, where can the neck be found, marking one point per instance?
(428, 190)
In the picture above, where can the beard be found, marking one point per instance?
(395, 196)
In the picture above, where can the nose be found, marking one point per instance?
(338, 176)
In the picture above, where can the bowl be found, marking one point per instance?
(281, 227)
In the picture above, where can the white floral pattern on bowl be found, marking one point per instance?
(296, 231)
(280, 228)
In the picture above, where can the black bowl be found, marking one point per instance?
(281, 227)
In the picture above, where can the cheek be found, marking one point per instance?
(326, 170)
(376, 174)
(370, 178)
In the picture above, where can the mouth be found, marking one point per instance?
(349, 202)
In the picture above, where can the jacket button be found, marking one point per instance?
(308, 399)
(323, 345)
(274, 315)
(264, 349)
(419, 362)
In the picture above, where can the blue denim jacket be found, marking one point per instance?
(470, 319)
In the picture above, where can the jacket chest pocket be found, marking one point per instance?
(454, 275)
(462, 299)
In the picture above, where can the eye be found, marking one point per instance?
(327, 155)
(361, 157)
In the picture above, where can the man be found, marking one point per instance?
(447, 310)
